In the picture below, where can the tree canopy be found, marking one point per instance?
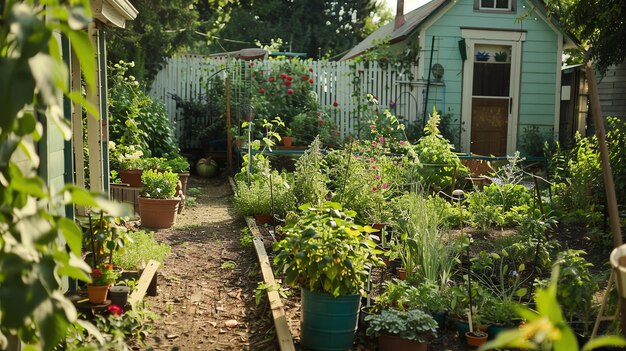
(598, 23)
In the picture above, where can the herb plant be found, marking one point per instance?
(159, 185)
(411, 324)
(141, 249)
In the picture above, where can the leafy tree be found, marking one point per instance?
(33, 256)
(599, 23)
(315, 27)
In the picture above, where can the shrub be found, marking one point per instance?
(411, 325)
(136, 253)
(256, 198)
(159, 185)
(310, 178)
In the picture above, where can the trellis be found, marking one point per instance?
(188, 76)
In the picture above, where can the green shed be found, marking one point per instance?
(495, 64)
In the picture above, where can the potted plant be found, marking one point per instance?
(482, 56)
(288, 138)
(402, 330)
(157, 204)
(180, 166)
(329, 256)
(475, 338)
(102, 278)
(501, 315)
(131, 166)
(500, 56)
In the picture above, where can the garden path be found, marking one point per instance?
(206, 288)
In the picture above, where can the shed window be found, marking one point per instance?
(497, 5)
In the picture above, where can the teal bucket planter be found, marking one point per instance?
(327, 322)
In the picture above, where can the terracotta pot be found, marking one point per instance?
(379, 226)
(158, 213)
(401, 273)
(388, 342)
(288, 141)
(184, 178)
(97, 293)
(474, 340)
(263, 219)
(132, 177)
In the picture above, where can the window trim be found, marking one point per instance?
(512, 7)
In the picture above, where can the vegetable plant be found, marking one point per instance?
(411, 324)
(325, 251)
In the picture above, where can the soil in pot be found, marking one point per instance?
(474, 339)
(97, 293)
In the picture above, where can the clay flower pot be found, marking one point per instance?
(387, 342)
(184, 178)
(158, 213)
(97, 293)
(401, 273)
(287, 141)
(475, 339)
(132, 177)
(263, 219)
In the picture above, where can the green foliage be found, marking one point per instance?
(437, 158)
(177, 164)
(158, 184)
(420, 242)
(545, 328)
(325, 251)
(132, 326)
(104, 275)
(247, 239)
(135, 119)
(499, 205)
(143, 248)
(398, 294)
(494, 272)
(307, 126)
(310, 177)
(387, 57)
(257, 197)
(411, 324)
(500, 312)
(39, 246)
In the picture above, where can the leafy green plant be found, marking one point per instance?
(437, 157)
(325, 251)
(500, 312)
(310, 178)
(131, 325)
(194, 191)
(246, 239)
(412, 324)
(141, 249)
(159, 185)
(257, 197)
(39, 245)
(263, 288)
(177, 164)
(492, 271)
(546, 329)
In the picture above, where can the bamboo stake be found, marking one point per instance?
(609, 185)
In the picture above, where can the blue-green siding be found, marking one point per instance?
(539, 66)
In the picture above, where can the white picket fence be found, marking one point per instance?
(187, 76)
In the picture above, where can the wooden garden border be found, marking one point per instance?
(283, 334)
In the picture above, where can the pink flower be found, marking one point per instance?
(372, 159)
(261, 90)
(381, 139)
(374, 189)
(392, 104)
(374, 143)
(272, 79)
(335, 104)
(251, 63)
(287, 83)
(115, 310)
(310, 69)
(385, 185)
(289, 91)
(377, 177)
(401, 142)
(372, 126)
(311, 81)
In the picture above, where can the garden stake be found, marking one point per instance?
(93, 244)
(272, 203)
(343, 188)
(538, 192)
(458, 193)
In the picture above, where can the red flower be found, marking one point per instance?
(335, 104)
(311, 81)
(289, 78)
(283, 76)
(288, 83)
(304, 77)
(290, 91)
(318, 113)
(320, 121)
(310, 69)
(374, 189)
(96, 273)
(251, 63)
(271, 79)
(261, 90)
(115, 310)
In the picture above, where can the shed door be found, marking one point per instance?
(490, 92)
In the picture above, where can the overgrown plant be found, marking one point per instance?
(141, 249)
(310, 177)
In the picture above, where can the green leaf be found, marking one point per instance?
(521, 292)
(602, 341)
(72, 234)
(81, 45)
(52, 324)
(26, 124)
(30, 186)
(567, 341)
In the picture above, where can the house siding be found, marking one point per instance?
(538, 70)
(612, 90)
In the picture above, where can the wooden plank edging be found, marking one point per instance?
(144, 282)
(283, 334)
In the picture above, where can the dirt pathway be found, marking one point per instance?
(206, 288)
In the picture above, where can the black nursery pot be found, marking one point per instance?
(119, 295)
